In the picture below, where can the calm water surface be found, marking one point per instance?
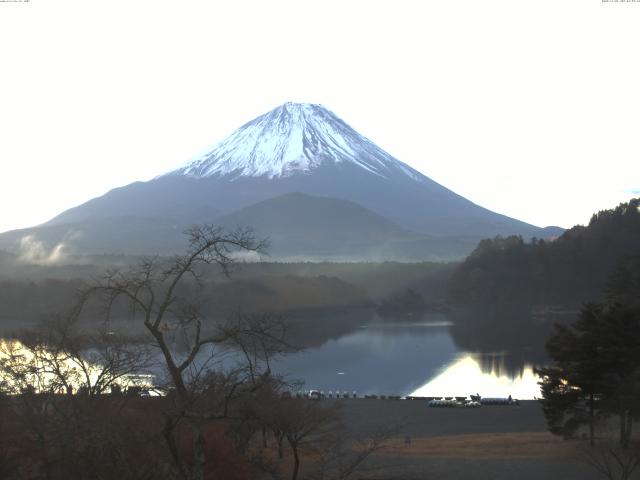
(370, 355)
(403, 358)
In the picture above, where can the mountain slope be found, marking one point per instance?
(298, 214)
(293, 148)
(298, 226)
(101, 235)
(317, 228)
(301, 148)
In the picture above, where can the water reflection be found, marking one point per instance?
(430, 357)
(375, 358)
(465, 376)
(40, 369)
(490, 353)
(508, 329)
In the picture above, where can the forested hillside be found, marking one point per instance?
(567, 271)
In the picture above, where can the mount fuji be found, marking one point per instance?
(296, 148)
(294, 139)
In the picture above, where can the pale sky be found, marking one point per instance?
(529, 108)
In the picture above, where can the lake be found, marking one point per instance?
(400, 357)
(429, 356)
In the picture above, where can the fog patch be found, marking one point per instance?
(35, 252)
(246, 256)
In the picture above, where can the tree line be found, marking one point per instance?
(30, 301)
(569, 270)
(594, 374)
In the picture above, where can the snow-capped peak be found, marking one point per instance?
(292, 138)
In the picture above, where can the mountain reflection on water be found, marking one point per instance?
(491, 352)
(429, 357)
(466, 375)
(40, 369)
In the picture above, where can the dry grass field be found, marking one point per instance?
(488, 443)
(484, 445)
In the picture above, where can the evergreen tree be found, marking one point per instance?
(595, 371)
(568, 271)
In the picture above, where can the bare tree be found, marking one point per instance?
(42, 367)
(151, 289)
(7, 463)
(59, 357)
(612, 461)
(155, 292)
(341, 455)
(302, 423)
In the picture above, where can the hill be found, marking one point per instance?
(568, 271)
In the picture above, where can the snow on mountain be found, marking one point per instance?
(293, 138)
(296, 148)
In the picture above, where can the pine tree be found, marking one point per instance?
(595, 371)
